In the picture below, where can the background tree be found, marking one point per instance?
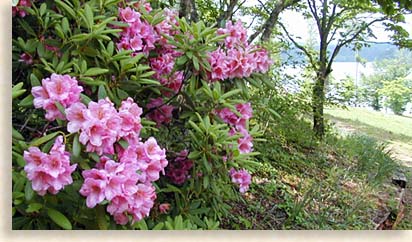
(343, 23)
(386, 71)
(396, 94)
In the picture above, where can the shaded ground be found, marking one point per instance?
(400, 147)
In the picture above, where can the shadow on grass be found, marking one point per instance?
(378, 133)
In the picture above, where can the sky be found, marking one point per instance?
(298, 26)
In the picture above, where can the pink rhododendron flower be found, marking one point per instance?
(236, 58)
(128, 15)
(126, 185)
(94, 190)
(162, 64)
(245, 143)
(101, 125)
(178, 169)
(140, 36)
(49, 172)
(26, 58)
(242, 178)
(161, 113)
(237, 34)
(238, 125)
(58, 88)
(77, 115)
(262, 60)
(164, 207)
(239, 63)
(129, 113)
(147, 157)
(19, 10)
(218, 63)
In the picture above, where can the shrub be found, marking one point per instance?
(149, 109)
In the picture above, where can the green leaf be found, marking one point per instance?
(80, 37)
(65, 25)
(205, 182)
(195, 127)
(94, 71)
(44, 139)
(28, 191)
(16, 134)
(66, 8)
(89, 15)
(34, 80)
(101, 218)
(122, 94)
(141, 225)
(18, 93)
(76, 146)
(85, 99)
(60, 108)
(230, 93)
(110, 48)
(148, 82)
(196, 63)
(59, 219)
(179, 223)
(26, 27)
(101, 93)
(276, 114)
(27, 101)
(169, 226)
(123, 143)
(34, 207)
(43, 8)
(159, 226)
(14, 3)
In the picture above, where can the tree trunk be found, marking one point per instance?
(227, 15)
(318, 100)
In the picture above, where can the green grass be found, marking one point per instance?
(307, 184)
(392, 129)
(377, 124)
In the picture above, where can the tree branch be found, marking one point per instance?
(270, 23)
(349, 40)
(302, 48)
(225, 15)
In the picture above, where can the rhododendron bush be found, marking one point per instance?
(127, 117)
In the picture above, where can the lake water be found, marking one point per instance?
(352, 69)
(341, 70)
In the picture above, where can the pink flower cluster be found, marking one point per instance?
(49, 172)
(140, 36)
(238, 124)
(164, 207)
(242, 178)
(163, 66)
(159, 112)
(126, 184)
(178, 169)
(63, 89)
(18, 10)
(26, 58)
(236, 58)
(101, 125)
(148, 158)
